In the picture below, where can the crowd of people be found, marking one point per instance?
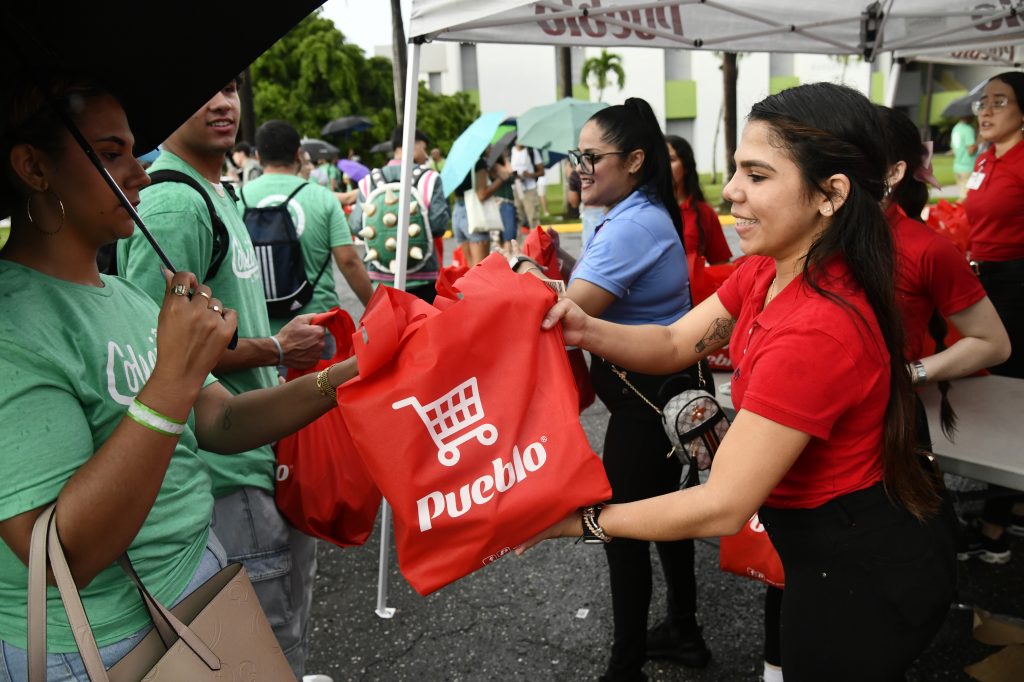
(840, 286)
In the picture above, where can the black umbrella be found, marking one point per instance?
(347, 124)
(207, 44)
(499, 146)
(318, 149)
(382, 148)
(961, 106)
(159, 89)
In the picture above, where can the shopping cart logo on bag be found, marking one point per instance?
(449, 418)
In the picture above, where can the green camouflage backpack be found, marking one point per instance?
(380, 223)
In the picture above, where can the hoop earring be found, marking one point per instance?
(31, 220)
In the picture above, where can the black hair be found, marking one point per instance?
(691, 182)
(27, 118)
(1015, 79)
(277, 143)
(633, 125)
(829, 129)
(243, 147)
(398, 137)
(903, 143)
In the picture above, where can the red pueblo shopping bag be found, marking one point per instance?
(323, 487)
(466, 416)
(751, 554)
(541, 246)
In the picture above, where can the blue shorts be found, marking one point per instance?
(508, 221)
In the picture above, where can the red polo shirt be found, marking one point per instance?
(930, 273)
(716, 247)
(810, 364)
(996, 209)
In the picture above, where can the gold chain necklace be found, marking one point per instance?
(771, 292)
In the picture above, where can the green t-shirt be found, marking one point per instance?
(178, 218)
(960, 139)
(320, 224)
(72, 358)
(334, 173)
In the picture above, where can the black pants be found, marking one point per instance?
(635, 449)
(867, 586)
(773, 595)
(1004, 284)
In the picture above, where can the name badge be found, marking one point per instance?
(974, 182)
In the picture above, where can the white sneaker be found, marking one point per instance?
(316, 678)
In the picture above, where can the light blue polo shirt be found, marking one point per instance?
(637, 256)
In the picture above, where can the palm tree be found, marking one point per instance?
(600, 67)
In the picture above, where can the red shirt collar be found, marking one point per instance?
(835, 277)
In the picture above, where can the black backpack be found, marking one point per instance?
(279, 253)
(106, 257)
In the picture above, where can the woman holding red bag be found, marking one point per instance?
(933, 281)
(702, 230)
(107, 398)
(633, 271)
(822, 441)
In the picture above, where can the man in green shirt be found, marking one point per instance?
(319, 221)
(965, 150)
(280, 561)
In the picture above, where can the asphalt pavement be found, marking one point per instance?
(547, 615)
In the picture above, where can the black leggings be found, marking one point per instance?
(867, 586)
(635, 446)
(1004, 284)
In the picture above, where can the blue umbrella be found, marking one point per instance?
(556, 127)
(466, 150)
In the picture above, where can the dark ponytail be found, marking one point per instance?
(831, 129)
(903, 143)
(691, 183)
(633, 125)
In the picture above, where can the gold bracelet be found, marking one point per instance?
(323, 384)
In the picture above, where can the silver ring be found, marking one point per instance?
(179, 290)
(204, 295)
(215, 308)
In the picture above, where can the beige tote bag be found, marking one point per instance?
(219, 632)
(481, 216)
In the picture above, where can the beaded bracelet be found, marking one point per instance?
(592, 531)
(154, 421)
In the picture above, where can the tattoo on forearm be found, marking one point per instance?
(226, 423)
(720, 330)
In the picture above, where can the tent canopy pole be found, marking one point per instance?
(401, 249)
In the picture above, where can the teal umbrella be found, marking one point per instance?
(556, 127)
(466, 150)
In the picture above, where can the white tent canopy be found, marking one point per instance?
(797, 26)
(1000, 56)
(837, 27)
